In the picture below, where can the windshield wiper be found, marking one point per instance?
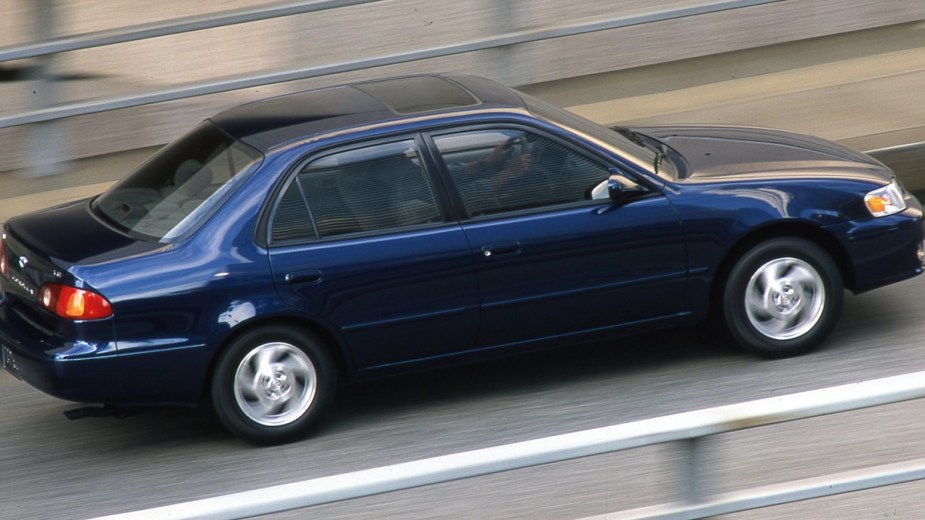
(661, 149)
(660, 154)
(633, 137)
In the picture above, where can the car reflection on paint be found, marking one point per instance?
(284, 246)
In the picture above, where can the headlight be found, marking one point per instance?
(885, 201)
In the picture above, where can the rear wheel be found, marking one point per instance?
(783, 297)
(273, 384)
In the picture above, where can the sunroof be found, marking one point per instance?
(415, 94)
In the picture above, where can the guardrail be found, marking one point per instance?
(94, 106)
(691, 428)
(176, 26)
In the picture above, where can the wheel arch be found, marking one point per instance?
(795, 229)
(330, 342)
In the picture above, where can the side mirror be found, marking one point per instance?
(615, 189)
(621, 188)
(618, 188)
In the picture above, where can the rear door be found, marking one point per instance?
(359, 239)
(550, 260)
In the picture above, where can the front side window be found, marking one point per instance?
(639, 149)
(508, 169)
(360, 190)
(174, 190)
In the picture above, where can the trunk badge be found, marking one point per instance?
(22, 262)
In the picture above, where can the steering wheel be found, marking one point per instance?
(517, 145)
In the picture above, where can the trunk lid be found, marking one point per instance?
(46, 245)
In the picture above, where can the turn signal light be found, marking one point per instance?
(73, 303)
(885, 201)
(877, 204)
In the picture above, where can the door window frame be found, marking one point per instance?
(608, 166)
(437, 185)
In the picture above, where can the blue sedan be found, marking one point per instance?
(287, 245)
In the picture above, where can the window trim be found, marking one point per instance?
(294, 170)
(278, 199)
(572, 145)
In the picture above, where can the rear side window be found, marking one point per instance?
(174, 190)
(375, 188)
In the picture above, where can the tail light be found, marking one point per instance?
(73, 303)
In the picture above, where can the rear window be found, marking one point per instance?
(172, 192)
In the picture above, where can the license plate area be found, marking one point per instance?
(9, 361)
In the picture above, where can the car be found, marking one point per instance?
(283, 247)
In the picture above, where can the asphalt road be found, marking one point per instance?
(54, 468)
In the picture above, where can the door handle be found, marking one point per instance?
(504, 248)
(303, 277)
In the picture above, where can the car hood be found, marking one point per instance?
(71, 234)
(741, 153)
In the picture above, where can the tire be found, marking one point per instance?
(272, 385)
(782, 298)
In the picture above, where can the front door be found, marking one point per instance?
(552, 261)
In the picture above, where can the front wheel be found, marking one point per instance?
(272, 385)
(782, 298)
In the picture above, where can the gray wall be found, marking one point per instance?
(390, 26)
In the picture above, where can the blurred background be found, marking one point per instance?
(648, 53)
(848, 70)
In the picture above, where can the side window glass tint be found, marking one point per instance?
(369, 189)
(292, 220)
(509, 169)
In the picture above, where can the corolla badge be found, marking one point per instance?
(22, 284)
(22, 262)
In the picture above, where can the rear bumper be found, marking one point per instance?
(64, 368)
(92, 370)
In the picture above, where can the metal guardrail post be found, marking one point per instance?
(507, 19)
(693, 470)
(45, 138)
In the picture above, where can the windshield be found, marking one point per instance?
(174, 190)
(637, 148)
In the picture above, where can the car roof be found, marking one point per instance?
(274, 122)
